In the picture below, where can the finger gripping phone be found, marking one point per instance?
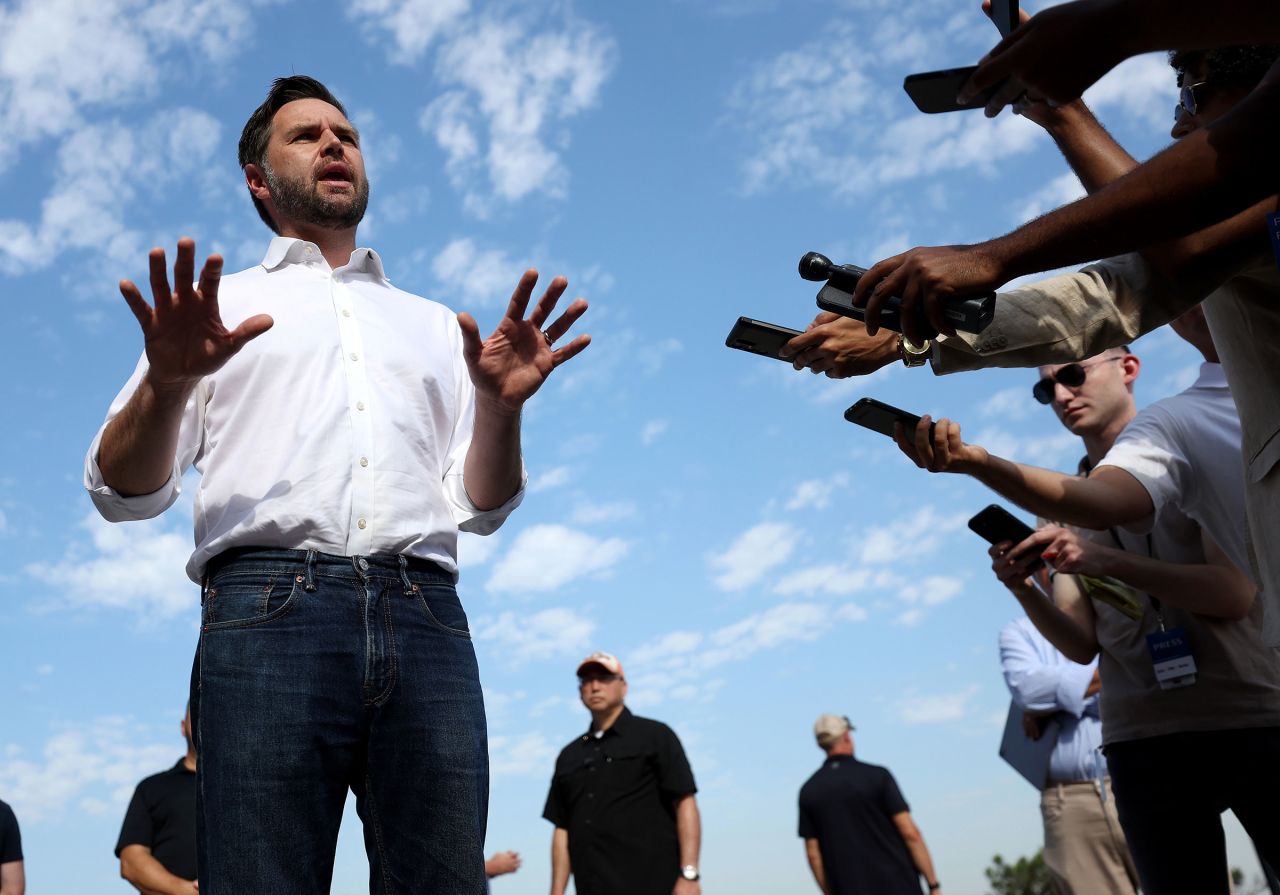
(758, 337)
(935, 91)
(880, 417)
(996, 524)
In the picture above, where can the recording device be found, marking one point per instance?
(758, 337)
(935, 91)
(880, 417)
(971, 315)
(995, 524)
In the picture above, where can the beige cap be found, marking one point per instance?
(829, 728)
(605, 661)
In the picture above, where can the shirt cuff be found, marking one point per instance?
(1071, 686)
(471, 518)
(115, 507)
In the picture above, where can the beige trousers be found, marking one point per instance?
(1084, 847)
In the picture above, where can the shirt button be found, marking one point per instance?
(346, 312)
(361, 523)
(359, 405)
(354, 356)
(364, 461)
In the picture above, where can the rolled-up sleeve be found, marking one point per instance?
(1066, 318)
(466, 514)
(115, 507)
(1037, 686)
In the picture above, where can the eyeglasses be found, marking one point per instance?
(602, 678)
(1071, 375)
(1189, 102)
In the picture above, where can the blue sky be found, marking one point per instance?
(706, 515)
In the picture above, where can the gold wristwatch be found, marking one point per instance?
(914, 355)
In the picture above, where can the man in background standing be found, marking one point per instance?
(1084, 847)
(13, 879)
(157, 845)
(622, 799)
(858, 833)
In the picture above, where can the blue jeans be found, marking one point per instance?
(319, 673)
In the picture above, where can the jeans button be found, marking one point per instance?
(362, 563)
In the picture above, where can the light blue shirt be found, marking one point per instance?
(1041, 679)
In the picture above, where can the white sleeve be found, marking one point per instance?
(115, 507)
(1148, 450)
(466, 514)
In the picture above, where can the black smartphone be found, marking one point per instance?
(935, 91)
(995, 524)
(1005, 14)
(758, 337)
(880, 417)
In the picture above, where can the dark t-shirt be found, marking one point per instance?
(162, 816)
(615, 795)
(848, 806)
(10, 837)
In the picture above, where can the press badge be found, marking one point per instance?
(1171, 658)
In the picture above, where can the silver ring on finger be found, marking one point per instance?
(546, 335)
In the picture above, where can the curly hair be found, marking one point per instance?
(1241, 66)
(257, 130)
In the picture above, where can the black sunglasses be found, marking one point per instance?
(1189, 102)
(1071, 375)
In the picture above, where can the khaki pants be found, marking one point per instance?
(1084, 847)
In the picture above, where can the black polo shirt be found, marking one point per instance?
(162, 816)
(10, 837)
(848, 806)
(614, 794)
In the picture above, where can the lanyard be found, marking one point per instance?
(1151, 553)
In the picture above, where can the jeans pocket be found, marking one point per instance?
(440, 604)
(241, 599)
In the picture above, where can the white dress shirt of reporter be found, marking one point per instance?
(1229, 717)
(343, 439)
(1069, 316)
(1084, 846)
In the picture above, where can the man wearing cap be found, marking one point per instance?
(858, 833)
(622, 799)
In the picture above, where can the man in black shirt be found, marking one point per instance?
(157, 847)
(858, 833)
(622, 799)
(13, 880)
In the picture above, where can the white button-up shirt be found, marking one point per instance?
(342, 429)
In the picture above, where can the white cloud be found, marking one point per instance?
(909, 538)
(511, 85)
(652, 356)
(938, 708)
(755, 552)
(474, 277)
(597, 513)
(412, 25)
(1142, 88)
(137, 567)
(101, 170)
(1062, 190)
(547, 557)
(831, 578)
(59, 58)
(652, 431)
(1009, 404)
(527, 755)
(932, 590)
(523, 637)
(816, 494)
(475, 550)
(44, 670)
(99, 762)
(552, 478)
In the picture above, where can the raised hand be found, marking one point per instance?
(183, 333)
(937, 446)
(928, 276)
(510, 366)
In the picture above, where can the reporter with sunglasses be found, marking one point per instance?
(1190, 694)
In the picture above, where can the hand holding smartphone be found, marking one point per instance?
(995, 524)
(880, 417)
(935, 91)
(758, 337)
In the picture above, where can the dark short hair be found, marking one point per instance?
(257, 130)
(1241, 66)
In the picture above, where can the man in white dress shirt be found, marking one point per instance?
(345, 431)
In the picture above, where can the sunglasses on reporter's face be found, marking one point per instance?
(1070, 375)
(1191, 99)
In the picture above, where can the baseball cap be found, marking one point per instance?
(605, 661)
(829, 728)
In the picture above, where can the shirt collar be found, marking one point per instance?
(617, 727)
(290, 250)
(1211, 376)
(181, 767)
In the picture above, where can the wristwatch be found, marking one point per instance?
(914, 355)
(934, 886)
(689, 872)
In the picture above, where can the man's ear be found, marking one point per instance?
(256, 180)
(1131, 366)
